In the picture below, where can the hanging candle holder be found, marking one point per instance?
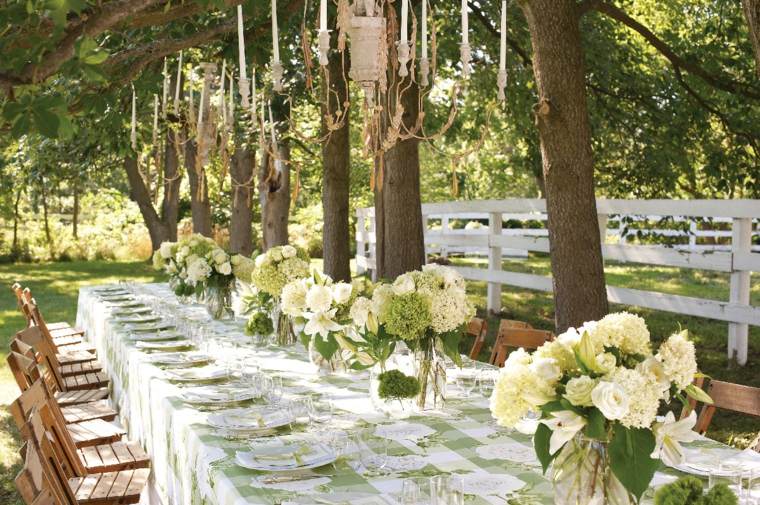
(366, 33)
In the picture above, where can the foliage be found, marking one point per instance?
(259, 324)
(689, 491)
(395, 385)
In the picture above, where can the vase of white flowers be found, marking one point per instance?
(218, 299)
(430, 370)
(581, 474)
(596, 392)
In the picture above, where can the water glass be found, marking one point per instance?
(339, 442)
(273, 389)
(300, 409)
(465, 382)
(447, 490)
(487, 381)
(729, 474)
(321, 410)
(373, 451)
(416, 491)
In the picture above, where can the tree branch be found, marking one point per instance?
(752, 14)
(161, 17)
(679, 63)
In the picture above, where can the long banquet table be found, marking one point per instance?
(193, 464)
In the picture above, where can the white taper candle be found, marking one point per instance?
(231, 110)
(275, 36)
(133, 132)
(253, 94)
(178, 88)
(165, 95)
(200, 109)
(155, 117)
(404, 19)
(323, 15)
(465, 24)
(241, 41)
(424, 29)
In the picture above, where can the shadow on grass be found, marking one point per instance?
(10, 460)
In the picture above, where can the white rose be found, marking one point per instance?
(342, 292)
(184, 250)
(293, 298)
(224, 268)
(276, 254)
(360, 311)
(288, 251)
(578, 391)
(570, 338)
(166, 249)
(546, 368)
(219, 256)
(403, 284)
(319, 298)
(605, 362)
(611, 400)
(260, 260)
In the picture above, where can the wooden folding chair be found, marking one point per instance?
(112, 456)
(727, 396)
(478, 328)
(503, 325)
(47, 357)
(31, 337)
(59, 329)
(58, 337)
(514, 337)
(106, 488)
(83, 434)
(26, 371)
(21, 296)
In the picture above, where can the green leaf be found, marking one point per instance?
(450, 343)
(46, 121)
(541, 444)
(305, 339)
(630, 459)
(95, 58)
(553, 406)
(597, 425)
(326, 347)
(697, 393)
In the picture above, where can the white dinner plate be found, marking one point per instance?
(155, 337)
(250, 419)
(278, 457)
(137, 318)
(218, 395)
(145, 327)
(206, 373)
(164, 345)
(180, 359)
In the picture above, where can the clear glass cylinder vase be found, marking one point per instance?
(218, 301)
(581, 475)
(336, 364)
(284, 334)
(430, 370)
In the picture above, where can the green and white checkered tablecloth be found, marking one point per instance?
(193, 464)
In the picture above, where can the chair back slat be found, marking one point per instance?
(51, 465)
(727, 396)
(34, 396)
(513, 336)
(21, 367)
(45, 356)
(478, 328)
(31, 482)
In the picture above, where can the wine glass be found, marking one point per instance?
(447, 490)
(415, 491)
(465, 382)
(373, 451)
(486, 382)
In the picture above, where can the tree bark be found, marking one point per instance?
(565, 133)
(48, 238)
(336, 160)
(200, 205)
(16, 214)
(157, 229)
(172, 181)
(274, 195)
(400, 245)
(242, 168)
(75, 214)
(752, 13)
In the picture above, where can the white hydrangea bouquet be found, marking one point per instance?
(271, 272)
(322, 306)
(427, 310)
(596, 392)
(198, 266)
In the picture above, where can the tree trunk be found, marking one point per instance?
(15, 249)
(565, 134)
(75, 214)
(172, 181)
(752, 13)
(336, 160)
(157, 230)
(242, 168)
(200, 205)
(48, 238)
(274, 195)
(400, 245)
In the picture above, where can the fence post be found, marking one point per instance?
(372, 242)
(494, 262)
(424, 236)
(361, 250)
(741, 242)
(693, 228)
(444, 230)
(603, 219)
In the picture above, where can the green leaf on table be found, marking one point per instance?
(541, 440)
(630, 458)
(326, 347)
(596, 426)
(450, 343)
(696, 393)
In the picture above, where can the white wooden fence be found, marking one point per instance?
(729, 250)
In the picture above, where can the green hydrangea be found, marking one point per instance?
(408, 316)
(688, 491)
(395, 385)
(259, 324)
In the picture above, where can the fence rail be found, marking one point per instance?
(729, 250)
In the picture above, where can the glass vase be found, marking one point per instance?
(218, 301)
(335, 364)
(283, 331)
(400, 408)
(581, 475)
(430, 369)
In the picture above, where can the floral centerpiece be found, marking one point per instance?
(322, 306)
(427, 310)
(198, 266)
(596, 392)
(272, 271)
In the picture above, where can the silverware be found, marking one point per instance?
(293, 478)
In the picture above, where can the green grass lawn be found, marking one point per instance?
(56, 286)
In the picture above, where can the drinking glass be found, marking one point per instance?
(300, 409)
(339, 442)
(321, 410)
(447, 490)
(415, 491)
(465, 382)
(729, 474)
(753, 485)
(487, 381)
(273, 389)
(373, 451)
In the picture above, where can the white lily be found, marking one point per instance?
(321, 323)
(565, 424)
(668, 435)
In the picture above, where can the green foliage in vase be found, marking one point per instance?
(395, 385)
(689, 491)
(259, 324)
